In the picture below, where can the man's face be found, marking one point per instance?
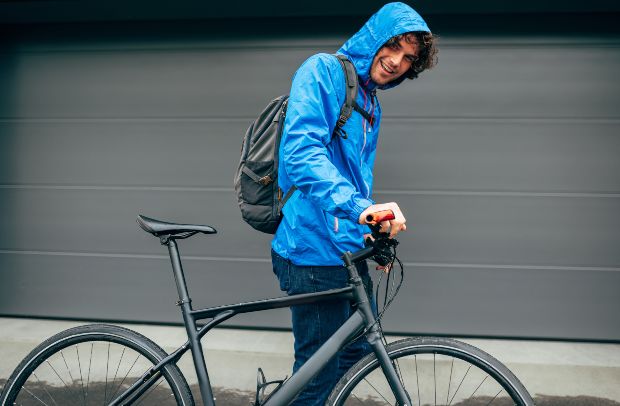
(391, 62)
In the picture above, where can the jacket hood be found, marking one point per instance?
(391, 20)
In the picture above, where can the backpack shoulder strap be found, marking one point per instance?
(288, 195)
(351, 92)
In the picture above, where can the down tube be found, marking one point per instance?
(313, 366)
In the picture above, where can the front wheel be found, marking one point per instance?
(92, 365)
(435, 371)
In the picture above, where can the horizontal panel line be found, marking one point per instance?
(318, 46)
(376, 192)
(232, 47)
(519, 267)
(51, 120)
(129, 256)
(121, 188)
(266, 260)
(496, 193)
(248, 119)
(505, 119)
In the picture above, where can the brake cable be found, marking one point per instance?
(390, 294)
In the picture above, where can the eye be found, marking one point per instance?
(412, 58)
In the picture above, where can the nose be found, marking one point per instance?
(396, 58)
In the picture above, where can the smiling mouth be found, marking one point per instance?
(385, 68)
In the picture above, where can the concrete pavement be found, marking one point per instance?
(233, 356)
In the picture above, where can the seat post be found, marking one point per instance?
(179, 276)
(190, 324)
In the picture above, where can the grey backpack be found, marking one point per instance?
(256, 181)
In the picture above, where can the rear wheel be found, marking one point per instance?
(434, 371)
(92, 365)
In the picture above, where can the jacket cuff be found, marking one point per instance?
(358, 207)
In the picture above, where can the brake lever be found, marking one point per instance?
(382, 244)
(376, 231)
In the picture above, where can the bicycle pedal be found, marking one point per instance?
(261, 386)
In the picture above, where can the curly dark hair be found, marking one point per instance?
(427, 54)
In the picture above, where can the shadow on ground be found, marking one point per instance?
(97, 393)
(236, 398)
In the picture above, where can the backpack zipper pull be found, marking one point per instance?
(265, 180)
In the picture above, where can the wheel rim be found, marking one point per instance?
(432, 376)
(89, 373)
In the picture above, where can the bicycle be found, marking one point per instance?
(110, 365)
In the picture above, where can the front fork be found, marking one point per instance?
(396, 384)
(374, 334)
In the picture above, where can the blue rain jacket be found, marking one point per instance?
(333, 175)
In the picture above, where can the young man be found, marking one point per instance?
(333, 175)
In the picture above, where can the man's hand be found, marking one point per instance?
(391, 226)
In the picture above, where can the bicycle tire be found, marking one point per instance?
(416, 359)
(56, 372)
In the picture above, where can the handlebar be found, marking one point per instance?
(380, 247)
(360, 255)
(374, 220)
(379, 216)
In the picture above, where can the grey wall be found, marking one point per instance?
(17, 11)
(506, 160)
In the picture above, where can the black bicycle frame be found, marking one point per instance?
(362, 318)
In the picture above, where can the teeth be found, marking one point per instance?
(386, 68)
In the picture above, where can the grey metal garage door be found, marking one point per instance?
(506, 159)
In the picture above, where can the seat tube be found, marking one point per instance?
(190, 325)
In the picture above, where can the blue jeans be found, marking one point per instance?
(314, 323)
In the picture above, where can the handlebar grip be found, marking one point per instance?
(379, 216)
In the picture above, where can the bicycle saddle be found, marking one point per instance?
(160, 228)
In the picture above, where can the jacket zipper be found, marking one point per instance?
(364, 130)
(372, 103)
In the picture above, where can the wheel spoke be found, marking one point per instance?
(485, 378)
(119, 364)
(494, 397)
(450, 380)
(61, 380)
(107, 363)
(376, 390)
(417, 379)
(459, 387)
(44, 388)
(125, 377)
(35, 396)
(117, 368)
(81, 378)
(90, 363)
(69, 371)
(67, 366)
(435, 376)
